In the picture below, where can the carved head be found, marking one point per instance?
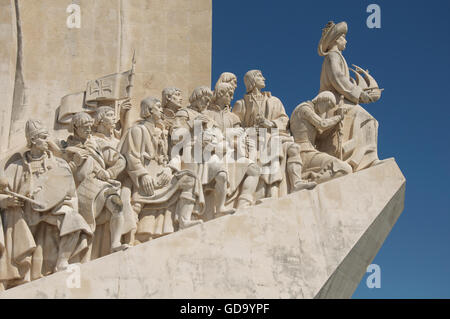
(105, 116)
(151, 108)
(333, 34)
(227, 77)
(36, 135)
(324, 101)
(82, 125)
(223, 94)
(172, 96)
(200, 98)
(254, 78)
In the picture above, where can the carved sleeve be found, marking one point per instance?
(118, 166)
(339, 80)
(133, 153)
(319, 123)
(239, 110)
(280, 119)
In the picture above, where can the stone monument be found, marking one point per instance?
(223, 202)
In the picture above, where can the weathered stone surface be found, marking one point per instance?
(42, 60)
(308, 244)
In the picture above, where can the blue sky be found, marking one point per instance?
(410, 57)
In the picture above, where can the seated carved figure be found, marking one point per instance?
(204, 136)
(277, 154)
(162, 193)
(43, 230)
(308, 121)
(98, 191)
(357, 144)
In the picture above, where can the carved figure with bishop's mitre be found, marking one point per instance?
(243, 173)
(43, 230)
(356, 140)
(162, 193)
(95, 172)
(309, 120)
(277, 153)
(201, 137)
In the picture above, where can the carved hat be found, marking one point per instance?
(34, 128)
(331, 33)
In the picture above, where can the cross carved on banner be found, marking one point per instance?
(100, 87)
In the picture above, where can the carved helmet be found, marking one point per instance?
(33, 128)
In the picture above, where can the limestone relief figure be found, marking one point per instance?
(164, 196)
(98, 191)
(227, 77)
(356, 141)
(308, 121)
(243, 173)
(199, 156)
(43, 231)
(265, 113)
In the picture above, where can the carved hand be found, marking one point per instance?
(12, 201)
(238, 131)
(202, 118)
(164, 177)
(147, 185)
(251, 144)
(103, 175)
(126, 105)
(80, 157)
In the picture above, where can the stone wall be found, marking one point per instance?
(42, 60)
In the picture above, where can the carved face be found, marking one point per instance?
(260, 81)
(226, 98)
(341, 42)
(156, 110)
(40, 142)
(202, 103)
(176, 99)
(233, 82)
(109, 119)
(84, 131)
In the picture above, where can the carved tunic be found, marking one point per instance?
(305, 125)
(335, 77)
(272, 159)
(267, 106)
(27, 228)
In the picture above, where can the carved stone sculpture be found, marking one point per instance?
(43, 230)
(356, 142)
(171, 102)
(98, 191)
(260, 110)
(162, 194)
(210, 169)
(227, 77)
(243, 173)
(308, 120)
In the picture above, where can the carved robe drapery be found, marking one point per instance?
(305, 125)
(32, 236)
(273, 153)
(239, 165)
(145, 149)
(360, 129)
(93, 192)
